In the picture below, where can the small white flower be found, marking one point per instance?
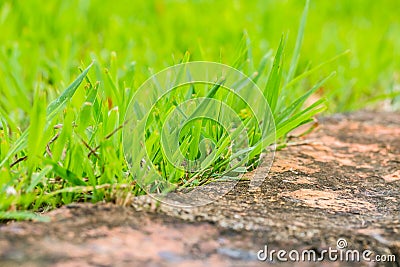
(10, 191)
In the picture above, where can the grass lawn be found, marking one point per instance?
(69, 69)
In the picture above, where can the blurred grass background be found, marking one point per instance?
(47, 41)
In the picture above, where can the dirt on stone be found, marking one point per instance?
(342, 181)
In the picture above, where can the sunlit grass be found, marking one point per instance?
(61, 143)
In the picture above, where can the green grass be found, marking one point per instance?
(61, 130)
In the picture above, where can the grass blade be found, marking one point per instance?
(22, 215)
(272, 89)
(299, 41)
(55, 106)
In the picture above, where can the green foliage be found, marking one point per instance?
(60, 144)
